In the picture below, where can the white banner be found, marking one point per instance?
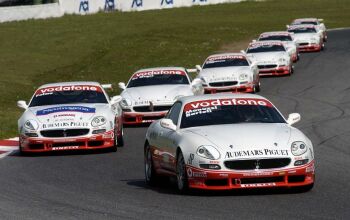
(93, 6)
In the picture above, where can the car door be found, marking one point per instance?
(168, 139)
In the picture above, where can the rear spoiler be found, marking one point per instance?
(107, 86)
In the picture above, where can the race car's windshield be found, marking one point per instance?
(307, 22)
(67, 95)
(214, 63)
(151, 79)
(266, 48)
(276, 37)
(302, 30)
(229, 111)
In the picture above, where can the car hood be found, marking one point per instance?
(73, 115)
(156, 94)
(236, 141)
(224, 73)
(267, 57)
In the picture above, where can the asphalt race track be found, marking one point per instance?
(111, 185)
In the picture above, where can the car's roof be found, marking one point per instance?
(226, 54)
(161, 68)
(275, 33)
(90, 83)
(187, 99)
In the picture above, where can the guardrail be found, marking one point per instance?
(93, 6)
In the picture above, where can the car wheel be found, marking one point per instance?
(257, 87)
(150, 174)
(181, 175)
(120, 138)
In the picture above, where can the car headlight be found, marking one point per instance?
(243, 77)
(98, 121)
(298, 148)
(282, 61)
(31, 125)
(125, 103)
(209, 152)
(204, 80)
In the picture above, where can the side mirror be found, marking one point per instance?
(22, 104)
(287, 26)
(115, 99)
(197, 87)
(293, 118)
(254, 40)
(168, 123)
(122, 86)
(320, 19)
(198, 67)
(242, 51)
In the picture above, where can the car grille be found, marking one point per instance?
(155, 108)
(303, 44)
(227, 83)
(64, 132)
(267, 66)
(257, 164)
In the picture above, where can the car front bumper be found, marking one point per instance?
(224, 180)
(137, 118)
(45, 144)
(277, 71)
(310, 47)
(246, 88)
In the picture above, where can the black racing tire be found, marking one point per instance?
(258, 87)
(120, 138)
(150, 173)
(181, 174)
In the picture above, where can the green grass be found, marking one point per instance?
(108, 47)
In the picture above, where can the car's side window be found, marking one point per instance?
(174, 112)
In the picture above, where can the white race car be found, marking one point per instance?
(313, 21)
(151, 92)
(307, 37)
(229, 72)
(70, 116)
(287, 40)
(271, 57)
(228, 141)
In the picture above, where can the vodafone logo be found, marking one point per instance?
(157, 72)
(68, 88)
(226, 57)
(222, 102)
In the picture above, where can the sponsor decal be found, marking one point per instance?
(253, 153)
(136, 3)
(81, 109)
(193, 1)
(299, 27)
(65, 148)
(84, 6)
(258, 174)
(195, 174)
(65, 124)
(149, 74)
(50, 90)
(264, 44)
(257, 185)
(275, 34)
(167, 2)
(109, 5)
(207, 106)
(64, 115)
(226, 57)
